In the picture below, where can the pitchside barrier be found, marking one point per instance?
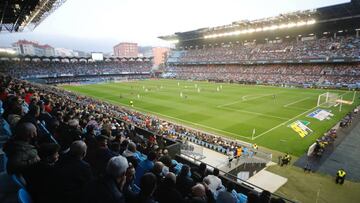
(267, 157)
(192, 150)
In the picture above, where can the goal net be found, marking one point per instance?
(328, 99)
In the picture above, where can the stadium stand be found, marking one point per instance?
(316, 47)
(325, 47)
(291, 74)
(67, 72)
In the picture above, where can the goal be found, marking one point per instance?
(327, 99)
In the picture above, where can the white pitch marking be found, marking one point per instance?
(243, 99)
(281, 124)
(256, 113)
(296, 102)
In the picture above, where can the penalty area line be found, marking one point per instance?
(283, 123)
(254, 113)
(243, 98)
(286, 105)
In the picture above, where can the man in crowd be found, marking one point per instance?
(145, 166)
(184, 182)
(19, 150)
(167, 192)
(147, 189)
(39, 177)
(72, 173)
(109, 188)
(129, 154)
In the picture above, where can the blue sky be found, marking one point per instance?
(97, 25)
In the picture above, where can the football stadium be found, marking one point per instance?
(255, 111)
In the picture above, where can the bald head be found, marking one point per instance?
(158, 166)
(198, 190)
(131, 147)
(25, 131)
(171, 176)
(78, 149)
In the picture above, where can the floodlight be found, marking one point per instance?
(310, 22)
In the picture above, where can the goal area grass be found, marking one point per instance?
(251, 113)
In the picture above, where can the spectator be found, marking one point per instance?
(39, 176)
(145, 166)
(253, 197)
(200, 173)
(101, 155)
(72, 173)
(129, 154)
(216, 172)
(21, 154)
(200, 194)
(265, 196)
(5, 131)
(110, 187)
(147, 188)
(167, 192)
(214, 184)
(157, 171)
(184, 182)
(225, 196)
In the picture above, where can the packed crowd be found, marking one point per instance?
(325, 47)
(69, 148)
(280, 73)
(28, 69)
(95, 79)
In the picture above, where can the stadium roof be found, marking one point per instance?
(17, 15)
(346, 15)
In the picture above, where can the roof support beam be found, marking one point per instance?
(3, 13)
(21, 14)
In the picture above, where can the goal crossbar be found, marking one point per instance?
(328, 99)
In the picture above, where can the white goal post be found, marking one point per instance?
(327, 99)
(330, 99)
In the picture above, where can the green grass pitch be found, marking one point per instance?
(230, 110)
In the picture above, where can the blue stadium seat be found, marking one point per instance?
(241, 198)
(24, 196)
(46, 131)
(19, 180)
(136, 188)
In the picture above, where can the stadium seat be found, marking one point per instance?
(241, 198)
(24, 196)
(45, 131)
(19, 180)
